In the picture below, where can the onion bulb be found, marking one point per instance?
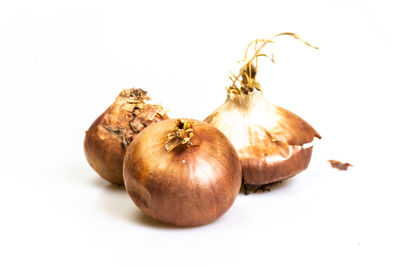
(272, 142)
(182, 172)
(111, 133)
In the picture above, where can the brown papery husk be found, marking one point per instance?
(271, 141)
(111, 133)
(184, 177)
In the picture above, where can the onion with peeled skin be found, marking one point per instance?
(182, 172)
(110, 134)
(272, 142)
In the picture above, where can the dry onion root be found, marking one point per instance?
(182, 172)
(273, 143)
(111, 133)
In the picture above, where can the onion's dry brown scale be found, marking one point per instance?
(273, 143)
(341, 166)
(182, 172)
(111, 133)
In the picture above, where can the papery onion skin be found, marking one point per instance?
(261, 170)
(109, 135)
(268, 138)
(191, 185)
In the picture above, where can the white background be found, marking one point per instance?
(62, 63)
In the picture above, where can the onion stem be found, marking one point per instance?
(181, 134)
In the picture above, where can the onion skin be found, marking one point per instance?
(106, 140)
(261, 170)
(269, 139)
(190, 185)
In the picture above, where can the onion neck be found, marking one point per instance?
(246, 93)
(181, 134)
(245, 102)
(247, 80)
(134, 94)
(135, 97)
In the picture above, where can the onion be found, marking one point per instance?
(272, 142)
(182, 172)
(111, 133)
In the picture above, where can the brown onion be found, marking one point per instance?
(111, 133)
(272, 142)
(182, 172)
